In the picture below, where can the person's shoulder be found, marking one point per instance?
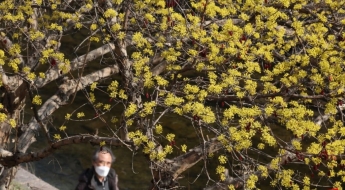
(112, 172)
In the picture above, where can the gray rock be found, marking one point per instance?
(25, 180)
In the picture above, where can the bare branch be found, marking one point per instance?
(53, 74)
(193, 156)
(9, 160)
(60, 98)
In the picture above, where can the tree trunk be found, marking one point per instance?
(13, 105)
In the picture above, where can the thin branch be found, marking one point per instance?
(9, 160)
(53, 74)
(52, 104)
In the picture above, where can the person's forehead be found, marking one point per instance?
(104, 155)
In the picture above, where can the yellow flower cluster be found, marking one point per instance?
(93, 27)
(171, 55)
(114, 120)
(137, 137)
(113, 88)
(161, 81)
(159, 129)
(261, 146)
(200, 110)
(306, 180)
(14, 50)
(14, 18)
(78, 25)
(250, 86)
(93, 86)
(268, 138)
(222, 159)
(202, 95)
(332, 164)
(102, 143)
(193, 89)
(184, 148)
(139, 39)
(122, 94)
(3, 117)
(147, 108)
(37, 100)
(80, 114)
(263, 170)
(336, 147)
(68, 116)
(109, 13)
(31, 76)
(131, 109)
(106, 107)
(37, 35)
(171, 100)
(168, 149)
(62, 128)
(161, 155)
(54, 26)
(57, 136)
(214, 89)
(94, 39)
(92, 97)
(170, 137)
(115, 27)
(149, 17)
(297, 144)
(220, 170)
(121, 35)
(13, 123)
(2, 56)
(275, 163)
(251, 181)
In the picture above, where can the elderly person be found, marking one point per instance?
(100, 176)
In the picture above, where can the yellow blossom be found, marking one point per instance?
(62, 128)
(102, 143)
(170, 137)
(184, 148)
(110, 13)
(13, 123)
(57, 136)
(80, 114)
(37, 100)
(68, 116)
(222, 159)
(93, 26)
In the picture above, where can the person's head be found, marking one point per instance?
(102, 159)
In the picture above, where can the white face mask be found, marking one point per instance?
(102, 170)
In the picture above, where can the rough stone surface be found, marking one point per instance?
(25, 180)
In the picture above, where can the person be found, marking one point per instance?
(100, 176)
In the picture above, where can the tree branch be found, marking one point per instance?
(9, 160)
(193, 156)
(52, 104)
(53, 74)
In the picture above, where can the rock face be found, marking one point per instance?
(25, 180)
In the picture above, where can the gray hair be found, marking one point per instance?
(104, 150)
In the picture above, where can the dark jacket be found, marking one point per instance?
(86, 176)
